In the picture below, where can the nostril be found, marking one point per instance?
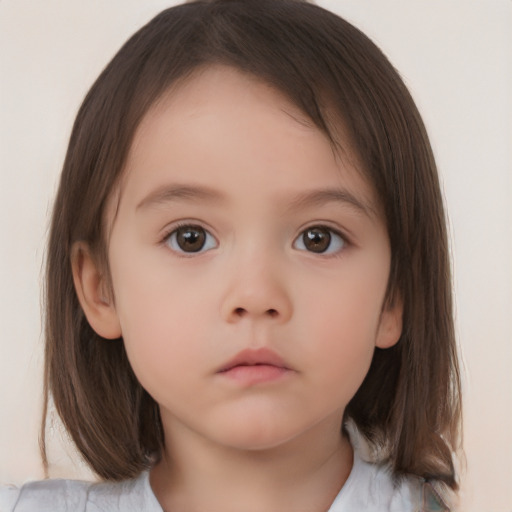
(242, 312)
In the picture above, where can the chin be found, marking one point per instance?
(259, 435)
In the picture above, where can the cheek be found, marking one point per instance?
(348, 303)
(342, 324)
(343, 351)
(151, 295)
(343, 342)
(159, 323)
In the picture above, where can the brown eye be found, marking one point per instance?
(191, 239)
(320, 240)
(316, 239)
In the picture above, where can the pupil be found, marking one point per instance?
(317, 239)
(190, 239)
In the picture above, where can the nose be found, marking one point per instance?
(256, 291)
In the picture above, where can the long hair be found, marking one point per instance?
(409, 403)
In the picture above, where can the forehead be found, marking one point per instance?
(220, 94)
(221, 110)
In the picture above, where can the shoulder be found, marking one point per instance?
(45, 495)
(76, 496)
(371, 487)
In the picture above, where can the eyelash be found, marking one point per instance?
(173, 232)
(342, 240)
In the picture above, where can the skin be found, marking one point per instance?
(273, 445)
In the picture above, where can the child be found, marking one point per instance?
(248, 288)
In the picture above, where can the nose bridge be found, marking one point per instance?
(256, 287)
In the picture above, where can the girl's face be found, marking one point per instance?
(249, 266)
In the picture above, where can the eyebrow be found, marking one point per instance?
(333, 195)
(169, 193)
(177, 192)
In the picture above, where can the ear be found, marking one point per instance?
(92, 292)
(390, 326)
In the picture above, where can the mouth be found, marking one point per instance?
(250, 367)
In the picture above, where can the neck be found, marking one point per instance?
(195, 475)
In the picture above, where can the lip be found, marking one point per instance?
(255, 366)
(254, 357)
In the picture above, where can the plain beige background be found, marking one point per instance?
(456, 57)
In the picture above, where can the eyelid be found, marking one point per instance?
(333, 231)
(175, 226)
(182, 223)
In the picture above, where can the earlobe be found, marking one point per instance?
(91, 290)
(390, 326)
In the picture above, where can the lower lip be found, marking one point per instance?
(256, 374)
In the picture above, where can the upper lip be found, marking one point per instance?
(252, 357)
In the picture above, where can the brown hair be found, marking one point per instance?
(409, 403)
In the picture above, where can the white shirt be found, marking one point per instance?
(369, 488)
